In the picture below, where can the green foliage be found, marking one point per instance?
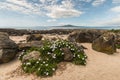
(51, 55)
(115, 31)
(41, 67)
(118, 46)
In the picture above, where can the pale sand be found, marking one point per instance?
(99, 66)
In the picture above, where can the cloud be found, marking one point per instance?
(116, 1)
(98, 2)
(66, 9)
(20, 6)
(63, 13)
(51, 20)
(50, 8)
(115, 9)
(115, 19)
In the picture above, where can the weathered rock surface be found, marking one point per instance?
(68, 56)
(24, 46)
(34, 37)
(8, 48)
(32, 55)
(85, 35)
(105, 43)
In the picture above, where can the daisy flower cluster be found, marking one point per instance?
(51, 54)
(40, 67)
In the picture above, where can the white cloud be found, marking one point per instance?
(63, 13)
(116, 1)
(51, 20)
(98, 2)
(115, 9)
(21, 3)
(48, 8)
(87, 0)
(115, 20)
(64, 10)
(20, 6)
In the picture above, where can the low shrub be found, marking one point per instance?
(115, 30)
(118, 46)
(50, 55)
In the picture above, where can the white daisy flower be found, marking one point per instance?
(23, 50)
(62, 53)
(53, 69)
(22, 53)
(74, 55)
(38, 69)
(69, 47)
(54, 56)
(37, 62)
(39, 59)
(28, 63)
(85, 63)
(78, 55)
(83, 58)
(46, 64)
(53, 49)
(48, 53)
(47, 73)
(25, 68)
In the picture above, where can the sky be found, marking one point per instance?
(59, 12)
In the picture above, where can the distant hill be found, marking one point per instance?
(67, 26)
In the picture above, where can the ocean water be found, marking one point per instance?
(78, 27)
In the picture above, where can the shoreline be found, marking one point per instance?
(20, 32)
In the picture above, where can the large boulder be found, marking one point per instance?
(34, 37)
(105, 43)
(85, 35)
(8, 48)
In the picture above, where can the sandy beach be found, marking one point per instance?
(99, 66)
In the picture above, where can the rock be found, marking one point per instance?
(68, 56)
(105, 43)
(34, 37)
(8, 48)
(72, 36)
(32, 55)
(85, 35)
(24, 46)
